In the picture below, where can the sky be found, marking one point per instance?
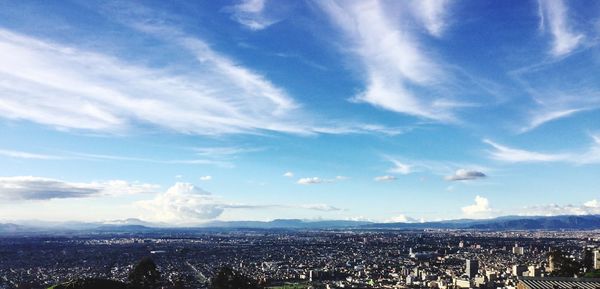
(185, 112)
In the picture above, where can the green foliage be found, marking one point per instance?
(227, 278)
(564, 266)
(93, 283)
(592, 274)
(144, 275)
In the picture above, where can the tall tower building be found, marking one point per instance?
(596, 259)
(472, 268)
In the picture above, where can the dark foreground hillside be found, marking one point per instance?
(92, 284)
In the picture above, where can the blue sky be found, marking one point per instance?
(187, 112)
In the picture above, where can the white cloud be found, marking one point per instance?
(401, 219)
(223, 151)
(386, 178)
(27, 155)
(541, 117)
(481, 208)
(591, 207)
(183, 203)
(464, 175)
(66, 87)
(288, 174)
(251, 14)
(70, 88)
(554, 13)
(395, 64)
(432, 14)
(317, 180)
(310, 181)
(400, 168)
(206, 178)
(38, 188)
(320, 207)
(504, 153)
(507, 154)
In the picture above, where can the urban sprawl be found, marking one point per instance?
(312, 259)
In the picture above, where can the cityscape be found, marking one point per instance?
(308, 259)
(300, 144)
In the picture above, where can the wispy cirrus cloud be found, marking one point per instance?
(386, 178)
(432, 13)
(318, 180)
(513, 155)
(71, 88)
(27, 155)
(81, 156)
(39, 188)
(400, 167)
(541, 117)
(508, 154)
(251, 14)
(67, 87)
(398, 69)
(554, 16)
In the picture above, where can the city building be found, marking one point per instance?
(472, 268)
(518, 270)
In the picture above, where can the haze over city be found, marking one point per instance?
(182, 113)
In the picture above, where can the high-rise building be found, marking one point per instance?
(551, 264)
(518, 250)
(518, 270)
(596, 259)
(472, 268)
(534, 271)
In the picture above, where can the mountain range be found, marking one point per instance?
(565, 222)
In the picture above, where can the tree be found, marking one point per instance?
(564, 266)
(144, 275)
(227, 278)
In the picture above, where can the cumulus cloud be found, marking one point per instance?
(38, 188)
(402, 219)
(288, 174)
(186, 203)
(554, 15)
(481, 208)
(386, 178)
(503, 153)
(251, 14)
(183, 202)
(464, 175)
(206, 178)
